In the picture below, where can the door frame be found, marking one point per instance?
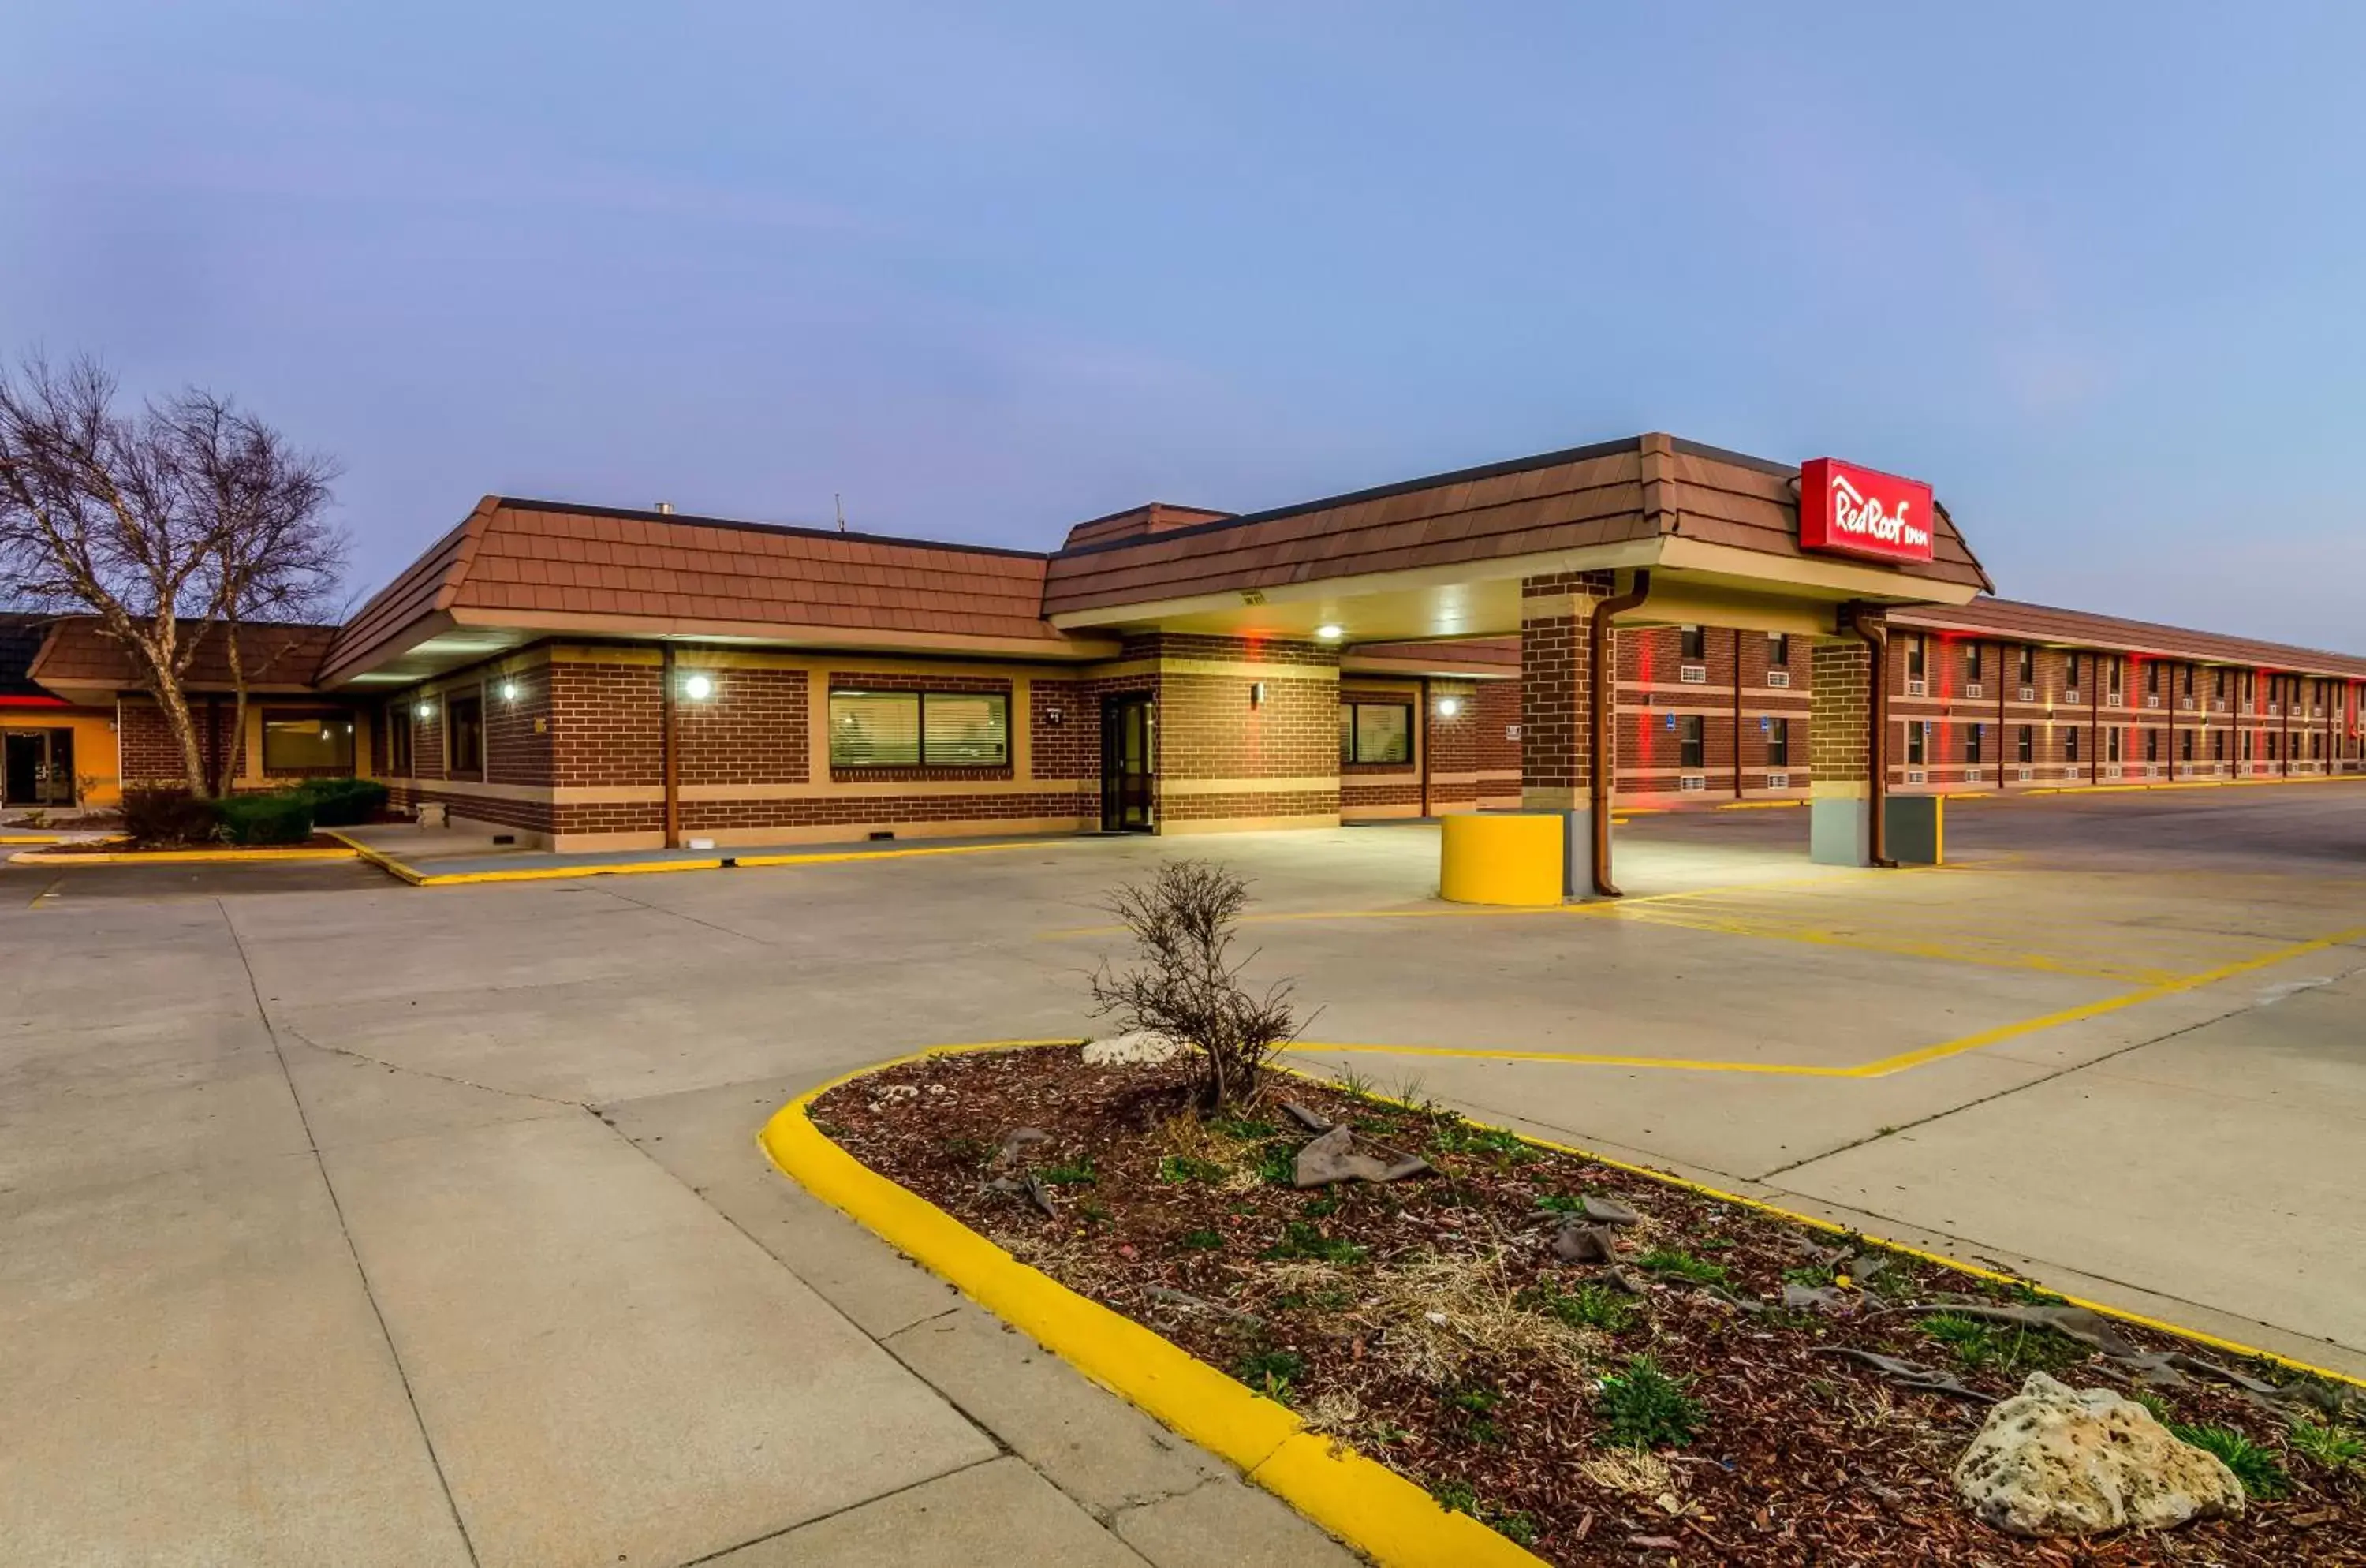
(1115, 705)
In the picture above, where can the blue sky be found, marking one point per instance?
(2098, 272)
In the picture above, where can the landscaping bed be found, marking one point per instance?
(1664, 1405)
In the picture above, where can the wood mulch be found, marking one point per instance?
(1428, 1322)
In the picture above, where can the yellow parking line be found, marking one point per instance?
(1885, 1066)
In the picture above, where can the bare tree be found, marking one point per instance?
(184, 520)
(1187, 985)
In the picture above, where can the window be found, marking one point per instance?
(2028, 665)
(1778, 650)
(1915, 651)
(2188, 680)
(464, 735)
(2315, 745)
(1972, 741)
(2247, 686)
(1778, 742)
(307, 743)
(1375, 732)
(2247, 745)
(2070, 745)
(2152, 680)
(2117, 664)
(1688, 743)
(2112, 744)
(2027, 744)
(2074, 673)
(910, 729)
(2218, 745)
(2218, 684)
(1916, 742)
(398, 740)
(1972, 664)
(1694, 644)
(2152, 745)
(2185, 746)
(2271, 738)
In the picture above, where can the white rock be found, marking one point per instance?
(1144, 1047)
(2059, 1460)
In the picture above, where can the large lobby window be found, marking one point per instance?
(307, 743)
(1376, 733)
(464, 737)
(909, 729)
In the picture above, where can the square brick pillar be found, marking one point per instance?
(1557, 736)
(1840, 745)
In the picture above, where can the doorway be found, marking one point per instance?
(39, 768)
(1129, 750)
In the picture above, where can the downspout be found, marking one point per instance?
(1875, 632)
(2016, 675)
(1737, 713)
(669, 742)
(1424, 747)
(1599, 755)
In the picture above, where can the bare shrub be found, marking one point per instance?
(1185, 983)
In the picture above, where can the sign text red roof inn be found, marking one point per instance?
(1856, 510)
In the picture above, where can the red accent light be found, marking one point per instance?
(1856, 510)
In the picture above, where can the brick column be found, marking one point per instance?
(1557, 735)
(1840, 809)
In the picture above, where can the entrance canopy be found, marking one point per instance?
(1444, 557)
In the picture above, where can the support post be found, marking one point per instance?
(670, 742)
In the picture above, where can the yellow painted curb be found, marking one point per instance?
(178, 857)
(32, 839)
(715, 862)
(1367, 1505)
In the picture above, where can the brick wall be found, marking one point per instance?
(1556, 685)
(1210, 733)
(1841, 701)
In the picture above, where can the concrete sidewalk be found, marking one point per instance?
(264, 1302)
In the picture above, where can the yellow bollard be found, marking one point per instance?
(1501, 858)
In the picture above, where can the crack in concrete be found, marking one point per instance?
(440, 1077)
(369, 1294)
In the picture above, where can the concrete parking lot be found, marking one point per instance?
(347, 1221)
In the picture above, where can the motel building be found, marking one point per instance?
(587, 677)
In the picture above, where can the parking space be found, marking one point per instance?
(487, 1151)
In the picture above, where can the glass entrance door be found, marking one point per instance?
(1129, 750)
(39, 767)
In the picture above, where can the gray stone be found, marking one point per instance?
(1333, 1157)
(1582, 1243)
(1608, 1210)
(2057, 1460)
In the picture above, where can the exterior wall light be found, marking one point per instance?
(1328, 634)
(698, 688)
(426, 710)
(1448, 707)
(509, 690)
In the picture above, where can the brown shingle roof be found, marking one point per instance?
(276, 657)
(2075, 628)
(554, 565)
(1157, 517)
(1560, 501)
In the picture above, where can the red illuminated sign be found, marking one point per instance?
(1864, 512)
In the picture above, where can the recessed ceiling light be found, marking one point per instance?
(1328, 634)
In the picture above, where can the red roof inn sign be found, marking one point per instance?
(1862, 511)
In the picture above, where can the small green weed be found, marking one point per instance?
(1646, 1408)
(1558, 1203)
(1241, 1128)
(1477, 1398)
(1453, 1136)
(969, 1150)
(2254, 1466)
(1183, 1169)
(1517, 1528)
(2154, 1405)
(1080, 1174)
(2024, 1293)
(1271, 1373)
(1456, 1497)
(1675, 1263)
(1299, 1239)
(1809, 1274)
(2011, 1349)
(1276, 1165)
(1321, 1208)
(1588, 1306)
(2328, 1446)
(1203, 1241)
